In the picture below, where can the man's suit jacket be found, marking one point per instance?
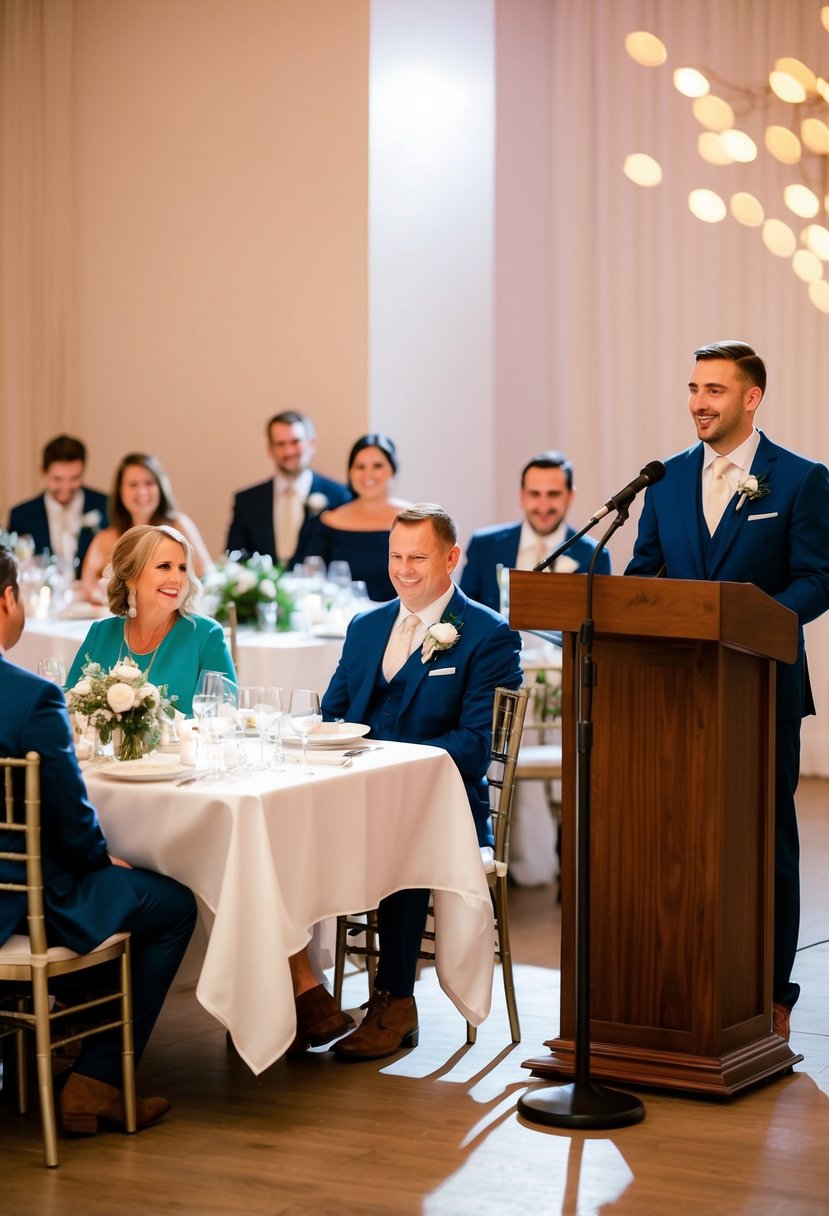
(30, 518)
(251, 528)
(779, 542)
(498, 546)
(446, 702)
(85, 900)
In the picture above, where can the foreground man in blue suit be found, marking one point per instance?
(760, 516)
(546, 497)
(421, 669)
(88, 894)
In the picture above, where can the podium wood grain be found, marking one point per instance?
(682, 817)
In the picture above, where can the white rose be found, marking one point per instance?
(91, 520)
(148, 691)
(750, 485)
(246, 581)
(445, 633)
(81, 723)
(126, 672)
(83, 688)
(120, 697)
(315, 503)
(268, 588)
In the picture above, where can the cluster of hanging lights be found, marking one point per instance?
(804, 143)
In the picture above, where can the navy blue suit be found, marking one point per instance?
(30, 519)
(498, 546)
(251, 528)
(779, 542)
(86, 897)
(452, 711)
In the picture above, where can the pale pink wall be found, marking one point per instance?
(220, 202)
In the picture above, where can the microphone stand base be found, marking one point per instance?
(582, 1106)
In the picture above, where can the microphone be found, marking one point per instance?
(652, 472)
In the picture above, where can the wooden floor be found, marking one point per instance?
(435, 1131)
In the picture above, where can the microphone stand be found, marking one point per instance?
(583, 1104)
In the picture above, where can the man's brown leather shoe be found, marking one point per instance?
(319, 1018)
(390, 1023)
(780, 1015)
(85, 1102)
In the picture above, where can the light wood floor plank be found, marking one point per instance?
(436, 1131)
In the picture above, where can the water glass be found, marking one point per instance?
(53, 670)
(304, 717)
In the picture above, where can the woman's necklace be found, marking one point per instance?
(134, 654)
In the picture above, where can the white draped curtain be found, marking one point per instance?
(627, 280)
(36, 234)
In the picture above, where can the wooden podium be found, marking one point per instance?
(682, 818)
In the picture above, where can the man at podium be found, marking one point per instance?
(736, 507)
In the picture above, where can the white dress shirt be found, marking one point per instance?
(64, 524)
(741, 460)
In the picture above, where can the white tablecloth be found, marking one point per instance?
(287, 660)
(271, 855)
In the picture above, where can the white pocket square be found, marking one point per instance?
(768, 515)
(442, 671)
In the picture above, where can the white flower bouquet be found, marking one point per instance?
(247, 584)
(124, 700)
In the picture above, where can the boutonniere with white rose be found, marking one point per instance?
(441, 636)
(91, 520)
(315, 503)
(755, 486)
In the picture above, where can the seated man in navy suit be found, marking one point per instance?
(268, 518)
(88, 894)
(737, 508)
(65, 517)
(393, 678)
(546, 497)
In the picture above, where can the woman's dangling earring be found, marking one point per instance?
(132, 611)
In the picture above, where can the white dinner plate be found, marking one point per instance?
(330, 734)
(142, 770)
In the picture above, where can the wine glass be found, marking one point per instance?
(304, 716)
(339, 573)
(53, 670)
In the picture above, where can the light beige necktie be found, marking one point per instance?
(286, 523)
(400, 645)
(718, 492)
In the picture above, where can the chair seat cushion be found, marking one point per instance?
(16, 950)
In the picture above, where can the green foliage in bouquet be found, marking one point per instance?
(121, 699)
(248, 584)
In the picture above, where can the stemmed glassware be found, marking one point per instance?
(53, 670)
(258, 706)
(218, 712)
(304, 716)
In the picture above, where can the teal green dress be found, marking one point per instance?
(193, 645)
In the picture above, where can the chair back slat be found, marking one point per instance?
(509, 710)
(29, 858)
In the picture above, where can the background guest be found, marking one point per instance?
(141, 494)
(152, 593)
(88, 894)
(64, 518)
(358, 532)
(268, 517)
(546, 496)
